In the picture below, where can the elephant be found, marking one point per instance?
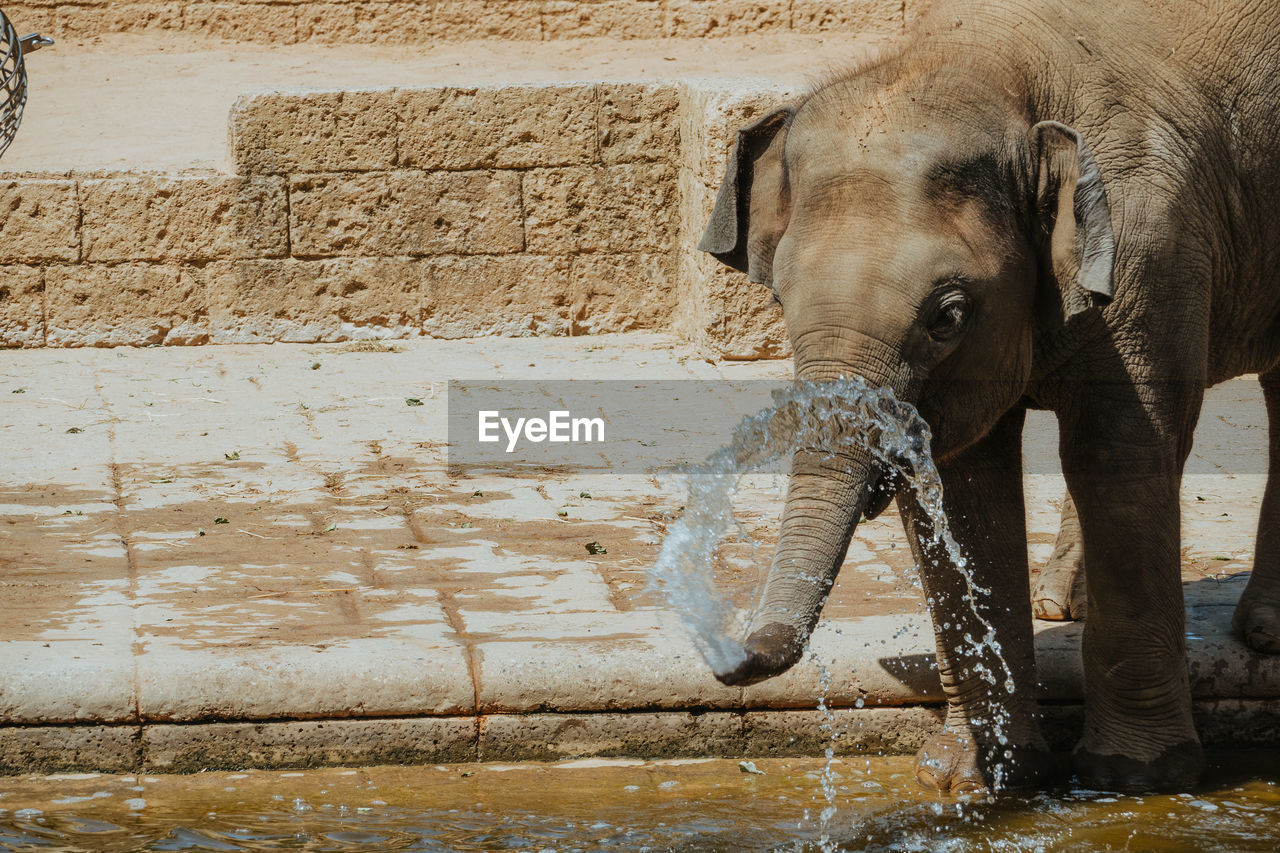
(1065, 206)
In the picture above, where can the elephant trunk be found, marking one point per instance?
(828, 493)
(826, 497)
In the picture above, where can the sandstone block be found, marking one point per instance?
(21, 306)
(327, 743)
(243, 22)
(33, 18)
(260, 217)
(61, 749)
(702, 18)
(82, 21)
(512, 295)
(505, 127)
(639, 122)
(405, 213)
(849, 16)
(313, 132)
(621, 293)
(38, 221)
(882, 731)
(384, 23)
(717, 308)
(124, 305)
(556, 737)
(722, 310)
(460, 20)
(711, 116)
(625, 208)
(194, 219)
(333, 300)
(563, 19)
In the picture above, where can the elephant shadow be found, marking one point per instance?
(1235, 689)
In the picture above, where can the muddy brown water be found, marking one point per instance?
(624, 805)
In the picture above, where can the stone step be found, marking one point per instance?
(429, 21)
(364, 193)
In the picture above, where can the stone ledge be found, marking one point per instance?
(169, 748)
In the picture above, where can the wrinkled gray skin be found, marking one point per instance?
(1061, 205)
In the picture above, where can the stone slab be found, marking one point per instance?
(39, 221)
(21, 306)
(509, 295)
(556, 737)
(68, 682)
(887, 731)
(405, 213)
(64, 749)
(153, 218)
(271, 682)
(331, 743)
(629, 207)
(509, 127)
(316, 300)
(127, 304)
(277, 133)
(589, 662)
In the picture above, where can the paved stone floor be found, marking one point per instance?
(218, 556)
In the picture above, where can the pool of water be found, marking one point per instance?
(624, 805)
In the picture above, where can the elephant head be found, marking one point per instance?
(924, 235)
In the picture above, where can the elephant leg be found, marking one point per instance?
(1257, 615)
(1123, 461)
(990, 738)
(1059, 592)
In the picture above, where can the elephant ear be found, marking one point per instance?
(1072, 206)
(753, 206)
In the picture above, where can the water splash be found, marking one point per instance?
(825, 844)
(831, 417)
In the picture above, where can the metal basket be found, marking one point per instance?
(13, 82)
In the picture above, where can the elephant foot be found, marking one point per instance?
(1176, 769)
(949, 763)
(1257, 620)
(1059, 593)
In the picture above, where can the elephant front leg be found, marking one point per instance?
(986, 654)
(1257, 615)
(1138, 732)
(1059, 591)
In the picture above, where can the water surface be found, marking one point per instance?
(623, 805)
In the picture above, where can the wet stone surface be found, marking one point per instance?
(256, 533)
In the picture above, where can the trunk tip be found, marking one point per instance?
(770, 651)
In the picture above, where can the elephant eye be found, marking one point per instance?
(948, 315)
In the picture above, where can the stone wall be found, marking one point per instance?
(445, 212)
(418, 21)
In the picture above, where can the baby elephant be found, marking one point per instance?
(1069, 205)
